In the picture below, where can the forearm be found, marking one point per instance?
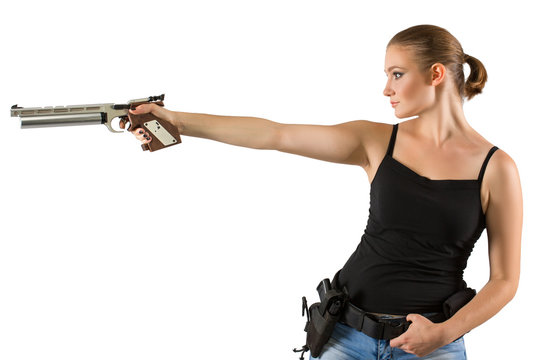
(251, 132)
(489, 301)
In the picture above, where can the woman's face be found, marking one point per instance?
(406, 85)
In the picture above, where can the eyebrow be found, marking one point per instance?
(392, 67)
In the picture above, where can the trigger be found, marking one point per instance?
(124, 120)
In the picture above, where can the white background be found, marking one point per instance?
(205, 249)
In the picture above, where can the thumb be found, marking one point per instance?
(397, 342)
(400, 340)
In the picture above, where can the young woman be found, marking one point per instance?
(436, 184)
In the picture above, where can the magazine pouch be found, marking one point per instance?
(457, 301)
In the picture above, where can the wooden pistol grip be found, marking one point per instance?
(163, 133)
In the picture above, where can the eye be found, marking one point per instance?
(395, 73)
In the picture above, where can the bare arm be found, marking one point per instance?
(246, 131)
(341, 143)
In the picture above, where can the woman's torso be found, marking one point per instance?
(421, 228)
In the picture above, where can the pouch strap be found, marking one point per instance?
(303, 349)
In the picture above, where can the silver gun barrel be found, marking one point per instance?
(61, 120)
(49, 116)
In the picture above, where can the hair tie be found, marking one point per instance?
(465, 57)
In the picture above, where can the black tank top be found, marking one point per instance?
(419, 235)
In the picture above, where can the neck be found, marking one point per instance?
(443, 121)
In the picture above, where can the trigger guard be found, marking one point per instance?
(109, 126)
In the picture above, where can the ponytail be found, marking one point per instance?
(477, 78)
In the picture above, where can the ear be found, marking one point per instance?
(437, 73)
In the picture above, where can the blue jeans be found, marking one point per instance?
(347, 343)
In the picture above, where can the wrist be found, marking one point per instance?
(448, 332)
(177, 119)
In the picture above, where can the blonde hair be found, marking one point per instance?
(430, 44)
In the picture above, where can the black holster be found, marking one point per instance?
(322, 316)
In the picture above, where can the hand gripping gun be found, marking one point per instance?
(164, 134)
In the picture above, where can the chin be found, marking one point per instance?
(404, 115)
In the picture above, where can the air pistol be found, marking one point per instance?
(164, 134)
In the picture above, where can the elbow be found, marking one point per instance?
(507, 287)
(513, 290)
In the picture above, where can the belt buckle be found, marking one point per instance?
(392, 329)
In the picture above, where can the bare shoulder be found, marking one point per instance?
(500, 166)
(501, 176)
(372, 136)
(375, 145)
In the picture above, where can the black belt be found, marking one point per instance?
(376, 327)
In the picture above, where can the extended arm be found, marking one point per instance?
(340, 143)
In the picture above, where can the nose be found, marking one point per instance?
(388, 91)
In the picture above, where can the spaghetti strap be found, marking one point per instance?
(484, 165)
(390, 149)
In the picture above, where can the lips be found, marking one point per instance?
(394, 103)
